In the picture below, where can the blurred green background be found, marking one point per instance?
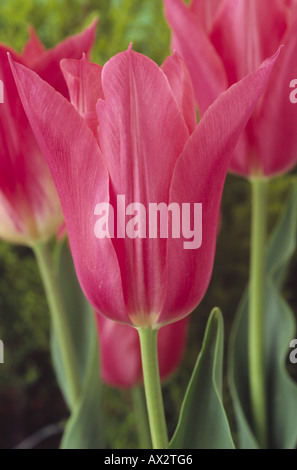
(29, 396)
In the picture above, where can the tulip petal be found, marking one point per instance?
(205, 11)
(199, 178)
(81, 178)
(181, 85)
(191, 41)
(119, 353)
(83, 79)
(247, 32)
(30, 208)
(48, 66)
(172, 340)
(33, 49)
(141, 134)
(276, 124)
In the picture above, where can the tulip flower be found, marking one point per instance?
(30, 209)
(223, 40)
(117, 341)
(128, 146)
(148, 150)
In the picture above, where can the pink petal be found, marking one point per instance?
(141, 134)
(199, 178)
(205, 11)
(246, 33)
(120, 355)
(191, 42)
(48, 65)
(181, 85)
(83, 79)
(30, 208)
(275, 125)
(33, 49)
(81, 178)
(172, 341)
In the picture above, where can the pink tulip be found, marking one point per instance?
(223, 40)
(138, 142)
(119, 341)
(30, 209)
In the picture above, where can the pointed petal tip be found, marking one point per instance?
(32, 32)
(92, 28)
(175, 53)
(10, 59)
(94, 23)
(13, 64)
(274, 57)
(30, 29)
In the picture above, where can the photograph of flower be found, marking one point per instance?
(148, 226)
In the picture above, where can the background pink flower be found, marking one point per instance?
(120, 351)
(30, 209)
(223, 40)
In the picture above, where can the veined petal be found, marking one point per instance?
(181, 85)
(247, 32)
(191, 42)
(199, 177)
(141, 134)
(205, 11)
(81, 178)
(48, 65)
(83, 79)
(30, 208)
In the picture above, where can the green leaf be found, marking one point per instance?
(80, 320)
(84, 427)
(203, 423)
(280, 329)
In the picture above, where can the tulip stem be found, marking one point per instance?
(59, 319)
(257, 309)
(141, 417)
(152, 386)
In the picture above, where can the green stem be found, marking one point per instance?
(152, 386)
(141, 417)
(59, 319)
(257, 309)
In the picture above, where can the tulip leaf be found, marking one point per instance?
(203, 423)
(79, 316)
(280, 329)
(84, 427)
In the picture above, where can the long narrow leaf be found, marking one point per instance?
(203, 422)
